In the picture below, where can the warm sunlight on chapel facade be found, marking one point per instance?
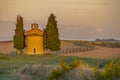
(34, 40)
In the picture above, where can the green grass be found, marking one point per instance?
(42, 59)
(13, 61)
(10, 62)
(7, 77)
(79, 70)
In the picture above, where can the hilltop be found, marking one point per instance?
(108, 40)
(98, 52)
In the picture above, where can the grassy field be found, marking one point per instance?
(40, 67)
(11, 62)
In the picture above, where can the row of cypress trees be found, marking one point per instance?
(51, 35)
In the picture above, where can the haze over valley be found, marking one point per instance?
(77, 19)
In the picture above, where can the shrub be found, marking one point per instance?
(55, 74)
(97, 74)
(33, 72)
(60, 72)
(112, 70)
(115, 45)
(112, 45)
(74, 64)
(79, 70)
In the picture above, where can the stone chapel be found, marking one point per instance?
(34, 40)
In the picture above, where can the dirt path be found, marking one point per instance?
(100, 52)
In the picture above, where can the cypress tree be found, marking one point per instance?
(19, 37)
(52, 41)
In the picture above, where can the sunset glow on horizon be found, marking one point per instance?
(77, 19)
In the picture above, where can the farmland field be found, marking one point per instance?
(13, 65)
(99, 52)
(11, 62)
(14, 62)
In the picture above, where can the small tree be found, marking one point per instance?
(19, 37)
(52, 40)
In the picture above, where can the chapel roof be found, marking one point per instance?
(35, 31)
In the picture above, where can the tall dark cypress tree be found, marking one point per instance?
(52, 40)
(19, 37)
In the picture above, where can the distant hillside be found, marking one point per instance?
(7, 46)
(108, 40)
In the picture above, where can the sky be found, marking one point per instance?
(76, 19)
